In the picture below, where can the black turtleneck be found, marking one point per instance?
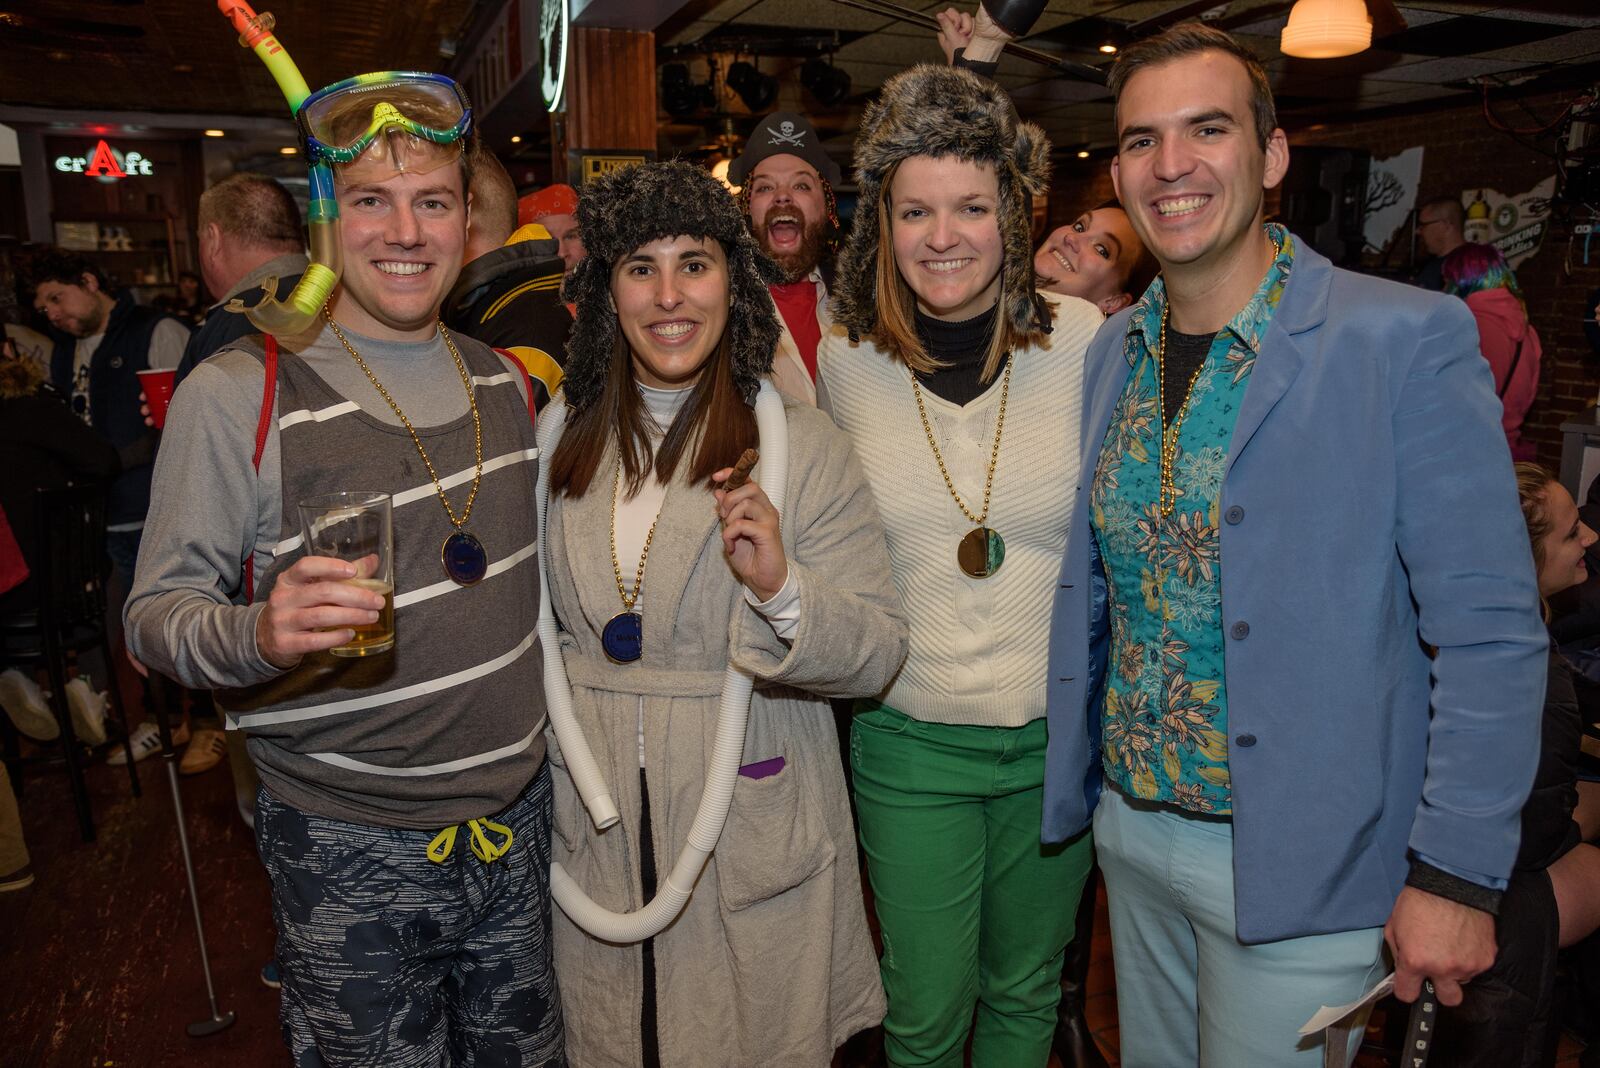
(962, 347)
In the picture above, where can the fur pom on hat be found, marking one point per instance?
(633, 207)
(945, 111)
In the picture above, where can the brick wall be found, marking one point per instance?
(1461, 151)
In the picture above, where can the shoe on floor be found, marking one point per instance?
(270, 975)
(88, 711)
(24, 702)
(145, 741)
(17, 880)
(206, 750)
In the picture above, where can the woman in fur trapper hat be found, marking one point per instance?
(660, 579)
(963, 382)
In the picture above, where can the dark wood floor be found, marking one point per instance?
(98, 962)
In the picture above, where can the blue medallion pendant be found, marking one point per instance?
(623, 637)
(464, 559)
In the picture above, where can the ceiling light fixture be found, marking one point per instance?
(757, 90)
(1326, 29)
(1108, 48)
(216, 133)
(516, 139)
(1083, 153)
(827, 83)
(288, 150)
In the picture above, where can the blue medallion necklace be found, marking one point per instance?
(623, 636)
(463, 556)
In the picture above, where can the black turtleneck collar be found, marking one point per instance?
(962, 347)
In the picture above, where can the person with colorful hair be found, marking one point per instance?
(786, 181)
(962, 384)
(662, 577)
(1480, 275)
(404, 810)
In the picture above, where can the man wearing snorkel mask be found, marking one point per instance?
(405, 806)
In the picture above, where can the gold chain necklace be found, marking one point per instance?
(623, 636)
(1167, 494)
(982, 551)
(463, 556)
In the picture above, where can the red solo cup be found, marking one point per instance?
(157, 386)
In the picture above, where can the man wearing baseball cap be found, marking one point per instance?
(786, 186)
(555, 207)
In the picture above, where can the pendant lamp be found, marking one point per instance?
(1326, 29)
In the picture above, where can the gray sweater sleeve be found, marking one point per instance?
(208, 509)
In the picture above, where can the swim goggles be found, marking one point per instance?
(347, 119)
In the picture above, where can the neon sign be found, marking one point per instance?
(106, 164)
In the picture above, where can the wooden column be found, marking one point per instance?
(610, 95)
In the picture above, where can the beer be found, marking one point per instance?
(372, 638)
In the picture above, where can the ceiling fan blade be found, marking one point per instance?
(1386, 18)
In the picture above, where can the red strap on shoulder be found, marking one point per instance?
(269, 392)
(533, 403)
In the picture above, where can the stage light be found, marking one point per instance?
(823, 80)
(757, 90)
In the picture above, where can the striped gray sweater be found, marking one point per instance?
(449, 725)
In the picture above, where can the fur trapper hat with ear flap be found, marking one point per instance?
(630, 208)
(941, 112)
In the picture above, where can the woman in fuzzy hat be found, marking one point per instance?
(962, 382)
(660, 581)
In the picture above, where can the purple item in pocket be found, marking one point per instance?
(762, 769)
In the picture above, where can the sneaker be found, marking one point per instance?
(145, 742)
(88, 711)
(206, 750)
(17, 880)
(270, 976)
(24, 702)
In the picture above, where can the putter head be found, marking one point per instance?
(205, 1028)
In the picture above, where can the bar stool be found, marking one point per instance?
(69, 616)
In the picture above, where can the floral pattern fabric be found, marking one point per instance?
(1165, 722)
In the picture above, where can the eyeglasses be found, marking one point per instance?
(344, 120)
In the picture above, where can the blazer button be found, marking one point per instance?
(1234, 514)
(1245, 741)
(1240, 630)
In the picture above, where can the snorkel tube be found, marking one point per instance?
(270, 315)
(727, 747)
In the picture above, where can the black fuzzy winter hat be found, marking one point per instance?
(945, 111)
(633, 207)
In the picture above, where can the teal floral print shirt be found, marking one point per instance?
(1165, 725)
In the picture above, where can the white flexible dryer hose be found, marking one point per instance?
(727, 749)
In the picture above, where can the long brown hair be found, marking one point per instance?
(715, 424)
(896, 331)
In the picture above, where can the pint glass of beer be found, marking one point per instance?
(357, 527)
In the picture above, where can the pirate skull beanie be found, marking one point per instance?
(941, 112)
(630, 208)
(783, 133)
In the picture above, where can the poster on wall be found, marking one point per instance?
(1391, 194)
(1516, 225)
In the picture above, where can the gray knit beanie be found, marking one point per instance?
(632, 207)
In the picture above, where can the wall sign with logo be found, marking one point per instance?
(555, 24)
(107, 164)
(584, 165)
(1516, 225)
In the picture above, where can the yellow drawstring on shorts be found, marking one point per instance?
(445, 841)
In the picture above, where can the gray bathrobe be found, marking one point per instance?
(771, 962)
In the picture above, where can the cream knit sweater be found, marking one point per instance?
(979, 647)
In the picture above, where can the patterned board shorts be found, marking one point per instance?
(390, 959)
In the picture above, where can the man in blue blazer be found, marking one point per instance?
(1297, 659)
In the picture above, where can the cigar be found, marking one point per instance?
(741, 470)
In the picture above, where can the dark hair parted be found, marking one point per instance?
(942, 112)
(618, 214)
(1190, 38)
(50, 264)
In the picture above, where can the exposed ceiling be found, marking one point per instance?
(1432, 62)
(182, 56)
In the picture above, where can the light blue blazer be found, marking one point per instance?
(1369, 509)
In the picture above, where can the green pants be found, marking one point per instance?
(975, 912)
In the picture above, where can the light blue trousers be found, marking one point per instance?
(1188, 991)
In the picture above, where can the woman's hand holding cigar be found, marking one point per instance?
(750, 529)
